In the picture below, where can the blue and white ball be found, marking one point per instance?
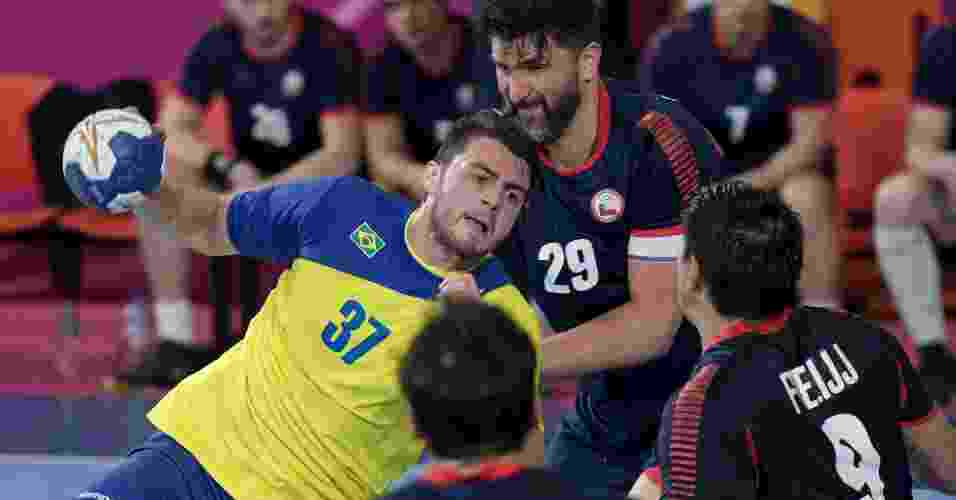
(112, 159)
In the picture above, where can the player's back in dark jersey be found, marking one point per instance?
(396, 83)
(746, 103)
(494, 482)
(571, 250)
(275, 104)
(806, 405)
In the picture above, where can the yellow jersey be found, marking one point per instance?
(307, 404)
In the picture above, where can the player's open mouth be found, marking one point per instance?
(481, 224)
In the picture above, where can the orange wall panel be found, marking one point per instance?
(879, 34)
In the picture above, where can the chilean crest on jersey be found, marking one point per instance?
(607, 206)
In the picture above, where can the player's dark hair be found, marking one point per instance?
(572, 23)
(469, 377)
(495, 125)
(749, 246)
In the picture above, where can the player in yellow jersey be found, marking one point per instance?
(307, 404)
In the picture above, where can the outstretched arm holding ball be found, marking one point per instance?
(115, 161)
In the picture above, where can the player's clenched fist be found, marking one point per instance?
(459, 287)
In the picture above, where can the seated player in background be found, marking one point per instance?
(924, 194)
(432, 71)
(762, 78)
(470, 379)
(597, 250)
(307, 404)
(290, 79)
(786, 401)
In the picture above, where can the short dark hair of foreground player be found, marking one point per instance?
(735, 244)
(470, 380)
(469, 377)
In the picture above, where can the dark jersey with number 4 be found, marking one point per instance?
(571, 250)
(933, 82)
(275, 104)
(745, 103)
(807, 405)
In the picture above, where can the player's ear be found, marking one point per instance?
(589, 62)
(695, 279)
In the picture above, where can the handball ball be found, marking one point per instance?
(112, 158)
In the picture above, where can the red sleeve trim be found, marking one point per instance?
(921, 420)
(654, 475)
(754, 456)
(904, 390)
(443, 475)
(339, 110)
(661, 231)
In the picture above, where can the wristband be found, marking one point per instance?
(217, 168)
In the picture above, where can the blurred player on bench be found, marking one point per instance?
(762, 78)
(431, 71)
(917, 205)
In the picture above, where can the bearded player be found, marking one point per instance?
(597, 250)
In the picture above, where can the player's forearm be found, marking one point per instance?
(792, 159)
(532, 455)
(197, 215)
(619, 338)
(926, 160)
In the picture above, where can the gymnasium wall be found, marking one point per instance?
(91, 42)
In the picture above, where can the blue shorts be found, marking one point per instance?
(600, 472)
(160, 469)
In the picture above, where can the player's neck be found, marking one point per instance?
(708, 321)
(714, 327)
(428, 247)
(741, 42)
(476, 465)
(578, 141)
(286, 39)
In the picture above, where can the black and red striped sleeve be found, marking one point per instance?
(704, 447)
(679, 155)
